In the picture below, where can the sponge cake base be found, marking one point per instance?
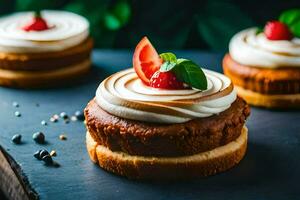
(185, 167)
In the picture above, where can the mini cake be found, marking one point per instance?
(265, 66)
(41, 50)
(166, 119)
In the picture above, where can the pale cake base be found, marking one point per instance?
(40, 79)
(269, 101)
(185, 167)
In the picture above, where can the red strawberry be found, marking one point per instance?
(165, 80)
(36, 24)
(275, 30)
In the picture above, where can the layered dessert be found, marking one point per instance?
(166, 118)
(47, 48)
(265, 65)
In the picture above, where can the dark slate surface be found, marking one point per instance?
(270, 169)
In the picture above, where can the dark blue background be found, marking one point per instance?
(270, 169)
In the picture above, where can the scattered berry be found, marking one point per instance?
(74, 118)
(53, 153)
(37, 154)
(62, 137)
(275, 30)
(67, 121)
(44, 123)
(165, 80)
(17, 114)
(53, 120)
(79, 115)
(15, 104)
(39, 137)
(63, 115)
(16, 139)
(43, 153)
(47, 159)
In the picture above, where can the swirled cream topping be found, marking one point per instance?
(252, 49)
(124, 95)
(67, 30)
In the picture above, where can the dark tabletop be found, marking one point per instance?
(270, 169)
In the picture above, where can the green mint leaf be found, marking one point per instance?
(295, 29)
(190, 73)
(167, 66)
(170, 57)
(290, 17)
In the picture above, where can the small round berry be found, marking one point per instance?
(39, 137)
(37, 154)
(15, 104)
(79, 115)
(47, 159)
(16, 139)
(43, 153)
(275, 30)
(44, 123)
(17, 114)
(63, 115)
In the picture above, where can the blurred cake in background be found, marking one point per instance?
(264, 64)
(43, 49)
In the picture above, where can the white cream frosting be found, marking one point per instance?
(252, 49)
(68, 29)
(124, 95)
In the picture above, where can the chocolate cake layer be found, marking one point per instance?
(153, 139)
(46, 60)
(263, 80)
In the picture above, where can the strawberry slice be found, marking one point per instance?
(146, 60)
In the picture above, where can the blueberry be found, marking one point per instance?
(39, 137)
(63, 115)
(43, 153)
(37, 155)
(16, 139)
(79, 115)
(47, 159)
(17, 114)
(15, 104)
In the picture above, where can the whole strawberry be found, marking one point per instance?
(165, 80)
(37, 23)
(275, 30)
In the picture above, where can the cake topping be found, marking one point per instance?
(165, 71)
(275, 30)
(65, 30)
(146, 60)
(165, 80)
(37, 23)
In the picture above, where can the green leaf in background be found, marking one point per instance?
(171, 57)
(118, 16)
(190, 73)
(292, 19)
(111, 22)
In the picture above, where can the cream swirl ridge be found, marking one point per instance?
(249, 48)
(68, 29)
(124, 95)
